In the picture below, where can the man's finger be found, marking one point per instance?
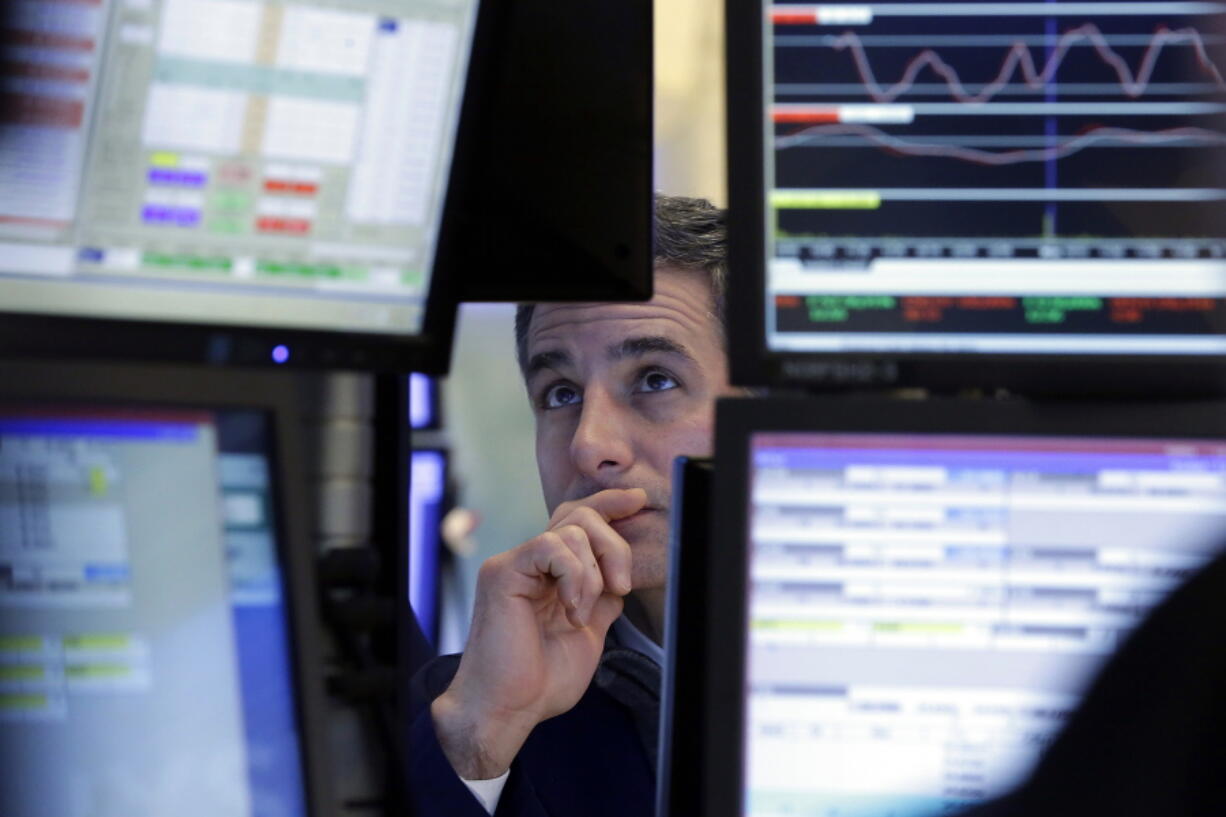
(576, 538)
(608, 607)
(610, 549)
(611, 503)
(547, 556)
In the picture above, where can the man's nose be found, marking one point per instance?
(601, 445)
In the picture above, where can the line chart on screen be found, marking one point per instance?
(1028, 175)
(1025, 120)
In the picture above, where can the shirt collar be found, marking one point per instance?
(631, 637)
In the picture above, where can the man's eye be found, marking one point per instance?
(656, 380)
(560, 395)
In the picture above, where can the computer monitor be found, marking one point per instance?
(267, 179)
(155, 656)
(964, 193)
(427, 491)
(911, 596)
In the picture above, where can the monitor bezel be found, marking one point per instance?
(725, 632)
(274, 395)
(752, 363)
(85, 338)
(160, 342)
(680, 759)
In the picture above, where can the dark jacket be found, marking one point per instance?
(597, 759)
(1147, 739)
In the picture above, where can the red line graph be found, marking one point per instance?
(1018, 56)
(913, 147)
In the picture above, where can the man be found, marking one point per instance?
(552, 708)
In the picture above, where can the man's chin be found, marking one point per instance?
(649, 570)
(653, 580)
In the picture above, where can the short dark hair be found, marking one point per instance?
(690, 234)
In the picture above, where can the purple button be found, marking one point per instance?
(176, 178)
(152, 214)
(177, 216)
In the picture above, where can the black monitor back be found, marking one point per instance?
(683, 702)
(551, 187)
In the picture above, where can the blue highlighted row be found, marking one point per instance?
(177, 216)
(107, 573)
(177, 178)
(834, 804)
(1048, 461)
(129, 429)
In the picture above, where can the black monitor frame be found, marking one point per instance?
(723, 636)
(753, 364)
(679, 789)
(158, 342)
(274, 395)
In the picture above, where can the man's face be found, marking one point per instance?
(619, 391)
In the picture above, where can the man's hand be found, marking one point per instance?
(541, 614)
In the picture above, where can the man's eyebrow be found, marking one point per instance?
(637, 347)
(547, 360)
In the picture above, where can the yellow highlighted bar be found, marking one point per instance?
(918, 627)
(97, 481)
(96, 641)
(825, 625)
(25, 703)
(21, 643)
(90, 671)
(23, 672)
(164, 159)
(825, 199)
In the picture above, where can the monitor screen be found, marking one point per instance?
(1014, 179)
(925, 609)
(427, 488)
(228, 162)
(145, 662)
(423, 401)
